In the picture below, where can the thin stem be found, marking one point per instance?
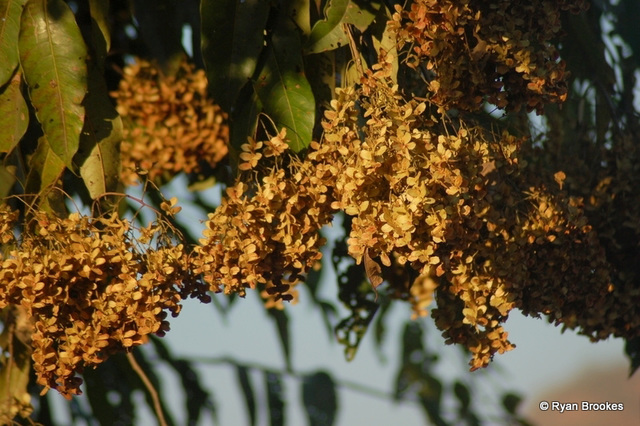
(355, 52)
(152, 391)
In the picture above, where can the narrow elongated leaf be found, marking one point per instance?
(281, 321)
(7, 180)
(45, 167)
(275, 398)
(14, 378)
(99, 151)
(14, 115)
(328, 34)
(320, 399)
(247, 389)
(232, 38)
(10, 11)
(53, 55)
(244, 119)
(284, 90)
(197, 399)
(632, 350)
(100, 33)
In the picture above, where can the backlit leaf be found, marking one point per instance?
(53, 55)
(327, 34)
(14, 115)
(45, 168)
(10, 11)
(284, 90)
(99, 152)
(100, 33)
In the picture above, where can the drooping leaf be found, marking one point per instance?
(7, 180)
(244, 120)
(53, 60)
(632, 349)
(14, 115)
(232, 38)
(281, 321)
(99, 151)
(328, 33)
(197, 399)
(10, 11)
(247, 389)
(275, 397)
(320, 399)
(415, 376)
(45, 168)
(283, 89)
(510, 402)
(300, 13)
(15, 364)
(100, 32)
(329, 311)
(462, 393)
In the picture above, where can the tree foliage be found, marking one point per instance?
(411, 123)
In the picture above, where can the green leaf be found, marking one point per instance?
(100, 33)
(197, 399)
(244, 120)
(14, 378)
(284, 90)
(53, 55)
(510, 402)
(328, 34)
(10, 11)
(462, 393)
(632, 350)
(14, 115)
(281, 321)
(45, 168)
(7, 180)
(232, 38)
(320, 399)
(247, 389)
(99, 150)
(275, 397)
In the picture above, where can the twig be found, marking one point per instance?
(354, 49)
(152, 391)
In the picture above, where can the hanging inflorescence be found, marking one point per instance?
(472, 51)
(91, 287)
(171, 123)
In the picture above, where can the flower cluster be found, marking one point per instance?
(454, 203)
(474, 50)
(171, 124)
(91, 286)
(265, 232)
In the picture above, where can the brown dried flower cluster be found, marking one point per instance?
(171, 124)
(91, 286)
(453, 202)
(265, 232)
(499, 51)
